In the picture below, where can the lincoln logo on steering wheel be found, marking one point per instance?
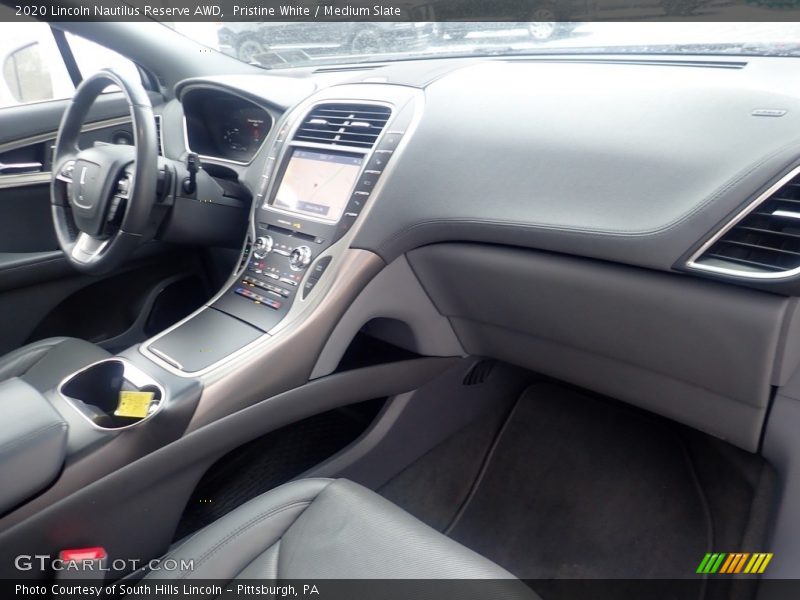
(82, 182)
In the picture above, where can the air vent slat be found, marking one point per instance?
(781, 234)
(742, 261)
(759, 247)
(325, 131)
(766, 240)
(355, 125)
(790, 200)
(785, 215)
(340, 111)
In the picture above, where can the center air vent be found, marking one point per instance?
(764, 242)
(355, 125)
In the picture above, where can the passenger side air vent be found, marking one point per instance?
(158, 136)
(355, 125)
(764, 241)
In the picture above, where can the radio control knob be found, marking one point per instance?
(263, 246)
(300, 258)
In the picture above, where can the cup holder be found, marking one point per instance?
(113, 394)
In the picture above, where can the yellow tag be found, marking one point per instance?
(134, 404)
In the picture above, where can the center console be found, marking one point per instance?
(322, 183)
(323, 169)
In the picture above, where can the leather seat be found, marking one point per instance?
(328, 529)
(44, 364)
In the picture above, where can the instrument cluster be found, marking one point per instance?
(224, 126)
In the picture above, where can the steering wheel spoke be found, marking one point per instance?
(88, 249)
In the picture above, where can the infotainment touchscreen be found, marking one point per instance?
(318, 184)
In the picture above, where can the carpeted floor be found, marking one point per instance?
(571, 485)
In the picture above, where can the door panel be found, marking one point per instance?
(41, 295)
(98, 308)
(20, 123)
(25, 221)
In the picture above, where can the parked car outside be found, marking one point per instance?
(246, 41)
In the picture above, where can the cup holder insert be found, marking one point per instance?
(95, 392)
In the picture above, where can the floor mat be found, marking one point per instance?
(432, 488)
(577, 486)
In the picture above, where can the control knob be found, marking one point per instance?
(263, 246)
(300, 258)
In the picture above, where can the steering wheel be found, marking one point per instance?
(102, 196)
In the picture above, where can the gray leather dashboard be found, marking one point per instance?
(632, 163)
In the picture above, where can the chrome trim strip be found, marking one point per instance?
(167, 358)
(786, 213)
(43, 137)
(694, 265)
(301, 308)
(12, 181)
(26, 167)
(23, 179)
(128, 369)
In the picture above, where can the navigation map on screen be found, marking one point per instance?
(318, 184)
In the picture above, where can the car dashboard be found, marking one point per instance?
(435, 235)
(510, 191)
(592, 162)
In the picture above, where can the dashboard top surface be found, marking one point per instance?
(620, 159)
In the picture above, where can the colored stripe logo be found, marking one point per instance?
(735, 562)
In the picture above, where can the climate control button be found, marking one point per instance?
(263, 246)
(300, 258)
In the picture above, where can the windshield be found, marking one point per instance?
(275, 45)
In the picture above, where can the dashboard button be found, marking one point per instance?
(253, 281)
(309, 285)
(391, 140)
(367, 182)
(300, 258)
(258, 298)
(378, 161)
(319, 268)
(263, 246)
(345, 224)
